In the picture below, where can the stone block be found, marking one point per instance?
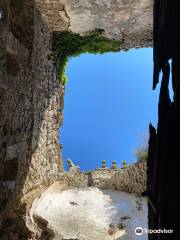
(12, 152)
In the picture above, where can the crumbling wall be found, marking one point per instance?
(31, 103)
(128, 182)
(16, 109)
(131, 179)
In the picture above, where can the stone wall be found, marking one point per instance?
(31, 103)
(123, 181)
(16, 110)
(129, 21)
(131, 179)
(31, 98)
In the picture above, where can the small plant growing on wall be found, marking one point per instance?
(124, 163)
(141, 153)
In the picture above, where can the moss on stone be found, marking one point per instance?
(68, 44)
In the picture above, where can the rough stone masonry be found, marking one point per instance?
(31, 97)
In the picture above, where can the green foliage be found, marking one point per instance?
(141, 153)
(125, 163)
(68, 44)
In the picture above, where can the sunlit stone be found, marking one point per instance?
(93, 214)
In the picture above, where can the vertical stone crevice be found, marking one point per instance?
(164, 147)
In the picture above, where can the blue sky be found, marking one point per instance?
(108, 107)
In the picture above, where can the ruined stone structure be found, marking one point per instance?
(132, 179)
(31, 97)
(129, 182)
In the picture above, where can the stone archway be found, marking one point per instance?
(31, 97)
